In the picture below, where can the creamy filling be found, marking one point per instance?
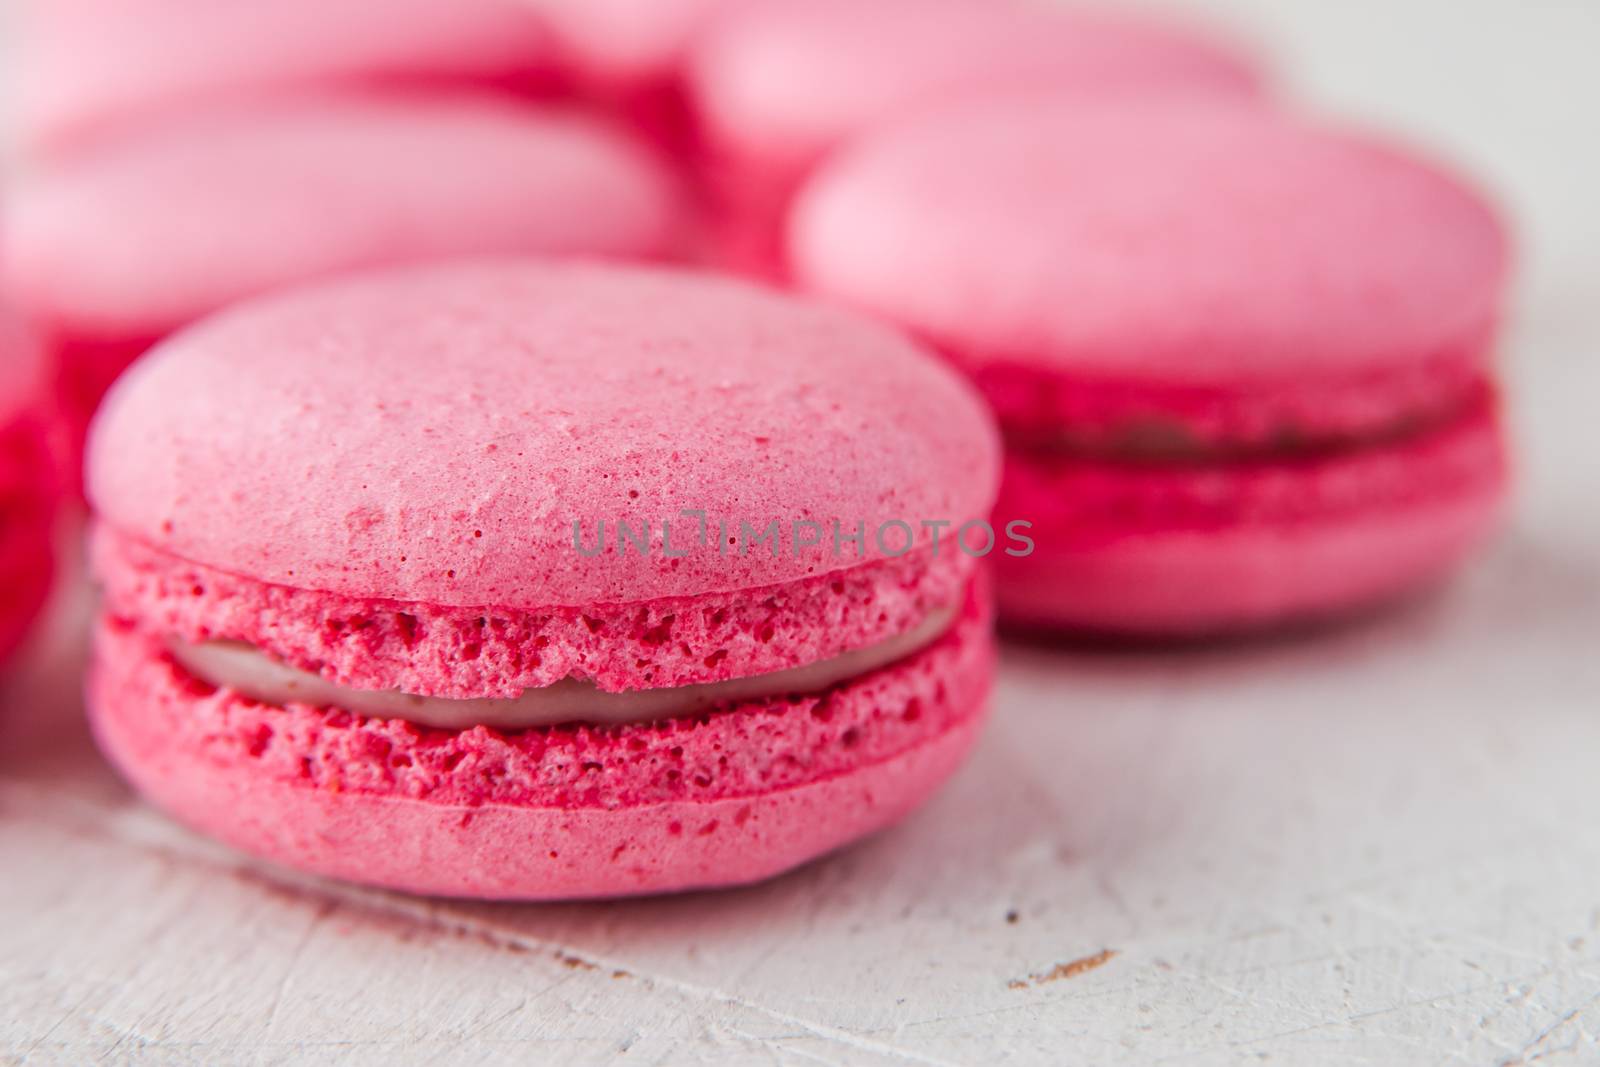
(1161, 440)
(247, 670)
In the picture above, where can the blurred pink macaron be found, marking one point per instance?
(29, 480)
(777, 84)
(85, 66)
(113, 247)
(1243, 363)
(531, 580)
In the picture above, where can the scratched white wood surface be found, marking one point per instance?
(1377, 844)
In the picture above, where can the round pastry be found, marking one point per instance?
(113, 248)
(1242, 363)
(520, 580)
(29, 481)
(777, 85)
(86, 66)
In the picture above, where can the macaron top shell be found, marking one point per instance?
(142, 234)
(1158, 247)
(86, 63)
(433, 434)
(783, 82)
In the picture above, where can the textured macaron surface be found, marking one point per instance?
(1235, 270)
(501, 650)
(1205, 549)
(715, 799)
(138, 235)
(434, 434)
(743, 750)
(1090, 504)
(87, 63)
(778, 84)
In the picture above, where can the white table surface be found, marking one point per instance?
(1379, 844)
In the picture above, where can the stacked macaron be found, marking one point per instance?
(29, 480)
(778, 85)
(433, 566)
(1242, 362)
(118, 244)
(535, 580)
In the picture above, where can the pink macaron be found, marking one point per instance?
(85, 66)
(777, 84)
(29, 480)
(114, 247)
(1242, 362)
(531, 580)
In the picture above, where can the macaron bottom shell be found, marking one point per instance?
(728, 798)
(1202, 550)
